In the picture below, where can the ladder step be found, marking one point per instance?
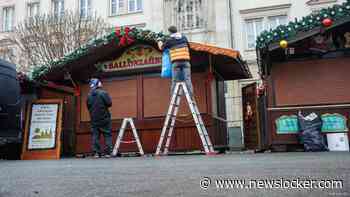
(120, 137)
(128, 142)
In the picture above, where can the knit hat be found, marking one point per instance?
(95, 83)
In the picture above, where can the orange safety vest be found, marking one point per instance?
(178, 54)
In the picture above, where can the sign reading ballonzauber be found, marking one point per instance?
(139, 56)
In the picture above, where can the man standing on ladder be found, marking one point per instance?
(181, 81)
(180, 58)
(98, 102)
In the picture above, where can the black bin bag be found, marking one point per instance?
(310, 134)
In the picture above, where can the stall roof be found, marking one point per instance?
(301, 29)
(226, 62)
(305, 27)
(214, 50)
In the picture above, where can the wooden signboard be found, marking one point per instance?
(135, 57)
(42, 135)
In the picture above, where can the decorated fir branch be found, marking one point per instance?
(123, 37)
(325, 18)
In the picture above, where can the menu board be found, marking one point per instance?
(43, 130)
(43, 126)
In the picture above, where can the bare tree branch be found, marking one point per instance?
(47, 38)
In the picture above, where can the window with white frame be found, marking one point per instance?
(33, 9)
(7, 53)
(58, 7)
(275, 21)
(7, 50)
(113, 6)
(189, 14)
(117, 7)
(253, 27)
(8, 14)
(85, 8)
(134, 5)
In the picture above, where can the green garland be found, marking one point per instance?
(307, 23)
(115, 36)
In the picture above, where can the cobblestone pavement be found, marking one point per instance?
(173, 175)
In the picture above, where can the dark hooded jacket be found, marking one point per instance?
(98, 102)
(178, 45)
(176, 40)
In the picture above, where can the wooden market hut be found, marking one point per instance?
(310, 75)
(129, 64)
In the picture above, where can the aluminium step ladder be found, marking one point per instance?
(121, 134)
(167, 130)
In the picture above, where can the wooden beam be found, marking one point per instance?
(62, 88)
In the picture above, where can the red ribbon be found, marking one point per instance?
(124, 37)
(117, 31)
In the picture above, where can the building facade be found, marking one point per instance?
(225, 23)
(202, 20)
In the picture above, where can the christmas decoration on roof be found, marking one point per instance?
(123, 36)
(22, 77)
(326, 18)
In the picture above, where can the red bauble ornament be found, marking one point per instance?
(327, 22)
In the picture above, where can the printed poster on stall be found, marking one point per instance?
(43, 126)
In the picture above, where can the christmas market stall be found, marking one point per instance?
(305, 66)
(129, 65)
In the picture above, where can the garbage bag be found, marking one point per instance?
(166, 65)
(310, 134)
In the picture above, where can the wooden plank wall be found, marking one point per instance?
(307, 84)
(146, 98)
(311, 82)
(185, 138)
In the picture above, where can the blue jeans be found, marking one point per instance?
(107, 133)
(181, 71)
